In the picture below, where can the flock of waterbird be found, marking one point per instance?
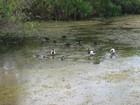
(68, 44)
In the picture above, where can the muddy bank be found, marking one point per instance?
(113, 82)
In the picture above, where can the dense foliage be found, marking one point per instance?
(10, 10)
(14, 10)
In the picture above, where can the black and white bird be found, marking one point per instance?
(91, 52)
(112, 52)
(53, 52)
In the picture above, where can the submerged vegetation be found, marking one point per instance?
(9, 95)
(116, 77)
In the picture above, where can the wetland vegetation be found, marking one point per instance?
(30, 75)
(24, 75)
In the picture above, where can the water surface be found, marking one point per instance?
(29, 74)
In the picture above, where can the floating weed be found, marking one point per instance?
(127, 28)
(128, 51)
(116, 77)
(9, 95)
(135, 94)
(76, 58)
(67, 86)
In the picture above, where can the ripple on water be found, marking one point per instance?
(79, 79)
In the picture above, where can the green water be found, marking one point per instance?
(17, 53)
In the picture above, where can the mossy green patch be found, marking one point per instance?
(9, 95)
(116, 76)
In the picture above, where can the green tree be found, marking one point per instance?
(129, 6)
(8, 10)
(107, 8)
(61, 9)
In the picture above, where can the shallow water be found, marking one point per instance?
(29, 74)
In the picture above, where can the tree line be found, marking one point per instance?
(17, 10)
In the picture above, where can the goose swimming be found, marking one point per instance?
(68, 44)
(53, 52)
(62, 57)
(78, 42)
(54, 41)
(90, 52)
(64, 37)
(112, 52)
(45, 39)
(39, 56)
